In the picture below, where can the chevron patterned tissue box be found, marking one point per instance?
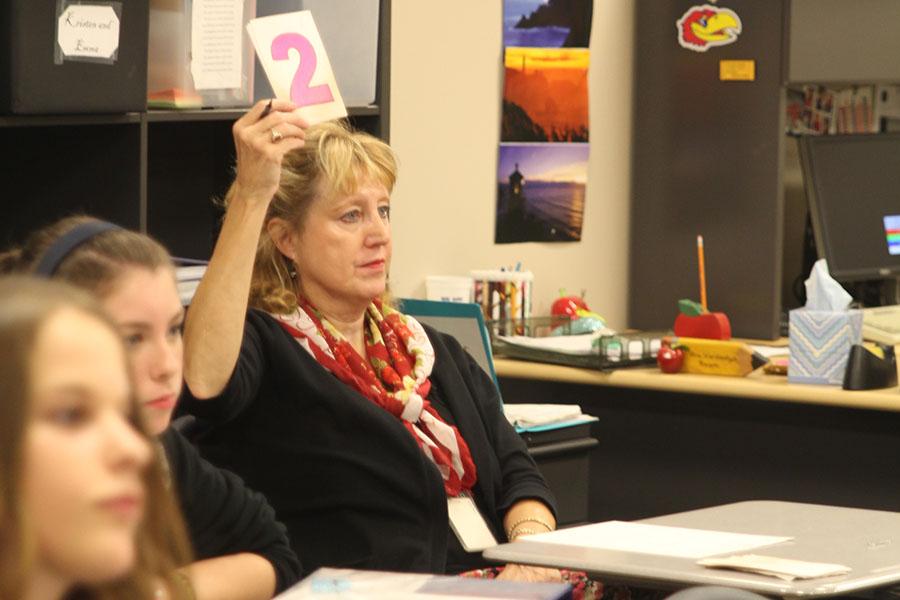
(820, 343)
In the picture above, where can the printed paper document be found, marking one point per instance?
(655, 539)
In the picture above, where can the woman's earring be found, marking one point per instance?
(293, 272)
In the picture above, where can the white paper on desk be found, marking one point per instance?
(216, 40)
(660, 540)
(783, 568)
(568, 344)
(770, 351)
(293, 56)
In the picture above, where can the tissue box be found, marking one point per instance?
(820, 344)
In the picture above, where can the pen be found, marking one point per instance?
(702, 268)
(266, 110)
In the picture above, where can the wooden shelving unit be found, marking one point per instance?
(156, 171)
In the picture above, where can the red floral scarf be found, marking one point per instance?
(395, 377)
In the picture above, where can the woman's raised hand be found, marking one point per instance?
(262, 137)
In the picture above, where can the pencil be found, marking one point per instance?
(701, 266)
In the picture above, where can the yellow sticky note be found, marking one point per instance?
(294, 59)
(737, 70)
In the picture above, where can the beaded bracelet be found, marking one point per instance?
(517, 533)
(512, 528)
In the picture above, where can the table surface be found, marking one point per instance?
(864, 540)
(757, 385)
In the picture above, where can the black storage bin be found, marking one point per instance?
(34, 80)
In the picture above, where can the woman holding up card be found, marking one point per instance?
(360, 424)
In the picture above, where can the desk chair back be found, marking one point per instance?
(714, 592)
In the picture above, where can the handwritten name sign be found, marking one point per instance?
(294, 59)
(88, 31)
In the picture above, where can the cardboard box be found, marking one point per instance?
(819, 344)
(65, 57)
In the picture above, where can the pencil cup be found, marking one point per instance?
(503, 295)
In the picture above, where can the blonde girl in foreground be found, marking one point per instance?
(83, 509)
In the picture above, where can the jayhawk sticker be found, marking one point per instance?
(702, 27)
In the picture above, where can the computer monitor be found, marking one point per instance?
(852, 186)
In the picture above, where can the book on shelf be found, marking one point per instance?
(820, 110)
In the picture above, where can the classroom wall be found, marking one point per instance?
(446, 91)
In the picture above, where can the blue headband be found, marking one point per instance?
(73, 238)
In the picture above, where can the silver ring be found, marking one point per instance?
(277, 136)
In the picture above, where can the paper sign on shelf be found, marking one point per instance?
(216, 44)
(88, 31)
(294, 59)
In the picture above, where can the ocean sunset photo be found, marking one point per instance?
(547, 23)
(541, 192)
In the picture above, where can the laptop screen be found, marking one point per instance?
(461, 320)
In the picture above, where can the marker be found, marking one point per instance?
(702, 268)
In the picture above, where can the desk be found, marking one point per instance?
(671, 443)
(757, 385)
(863, 540)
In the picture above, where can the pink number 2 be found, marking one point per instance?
(301, 93)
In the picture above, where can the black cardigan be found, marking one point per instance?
(343, 474)
(223, 516)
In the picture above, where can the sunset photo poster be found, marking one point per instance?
(545, 95)
(540, 192)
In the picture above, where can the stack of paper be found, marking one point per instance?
(533, 415)
(567, 344)
(174, 98)
(660, 540)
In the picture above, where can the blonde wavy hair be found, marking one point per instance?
(336, 159)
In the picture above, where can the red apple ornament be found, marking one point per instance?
(670, 359)
(692, 321)
(568, 306)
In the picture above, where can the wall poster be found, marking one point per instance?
(542, 166)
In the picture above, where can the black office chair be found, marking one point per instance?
(714, 592)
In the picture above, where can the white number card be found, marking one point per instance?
(291, 52)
